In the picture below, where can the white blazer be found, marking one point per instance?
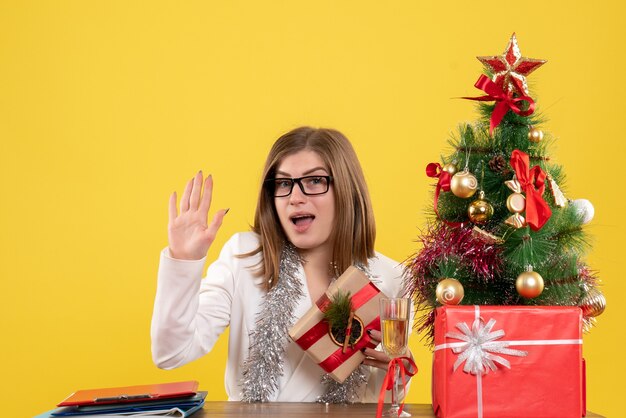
(190, 313)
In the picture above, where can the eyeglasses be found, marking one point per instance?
(310, 185)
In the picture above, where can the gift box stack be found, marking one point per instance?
(501, 277)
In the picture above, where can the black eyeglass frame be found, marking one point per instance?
(271, 184)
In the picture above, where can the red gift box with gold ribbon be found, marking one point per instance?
(312, 334)
(508, 361)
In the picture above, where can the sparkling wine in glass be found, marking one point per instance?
(394, 316)
(395, 337)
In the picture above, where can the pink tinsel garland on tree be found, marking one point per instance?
(441, 242)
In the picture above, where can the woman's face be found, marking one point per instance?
(308, 221)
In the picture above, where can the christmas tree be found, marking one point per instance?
(502, 231)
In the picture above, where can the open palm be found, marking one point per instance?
(189, 234)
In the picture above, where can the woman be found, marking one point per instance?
(313, 214)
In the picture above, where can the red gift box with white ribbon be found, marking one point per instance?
(508, 361)
(311, 332)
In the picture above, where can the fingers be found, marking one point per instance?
(184, 201)
(375, 336)
(376, 355)
(376, 358)
(375, 363)
(205, 204)
(381, 360)
(216, 222)
(172, 208)
(196, 189)
(407, 365)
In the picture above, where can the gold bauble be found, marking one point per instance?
(529, 284)
(450, 168)
(594, 303)
(535, 135)
(516, 203)
(480, 210)
(449, 292)
(463, 184)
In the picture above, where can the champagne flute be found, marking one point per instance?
(394, 315)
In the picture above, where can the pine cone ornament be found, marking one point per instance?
(499, 165)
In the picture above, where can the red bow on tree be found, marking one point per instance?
(435, 170)
(504, 101)
(532, 181)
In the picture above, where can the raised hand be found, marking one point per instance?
(189, 235)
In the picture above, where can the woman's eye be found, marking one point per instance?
(283, 184)
(315, 180)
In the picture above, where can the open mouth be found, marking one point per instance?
(301, 220)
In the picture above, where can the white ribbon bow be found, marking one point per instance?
(479, 345)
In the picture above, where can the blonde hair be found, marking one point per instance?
(354, 230)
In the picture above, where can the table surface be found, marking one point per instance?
(303, 410)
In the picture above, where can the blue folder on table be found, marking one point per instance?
(175, 408)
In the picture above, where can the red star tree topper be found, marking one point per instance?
(510, 65)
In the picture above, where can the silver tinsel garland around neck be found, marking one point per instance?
(264, 365)
(346, 392)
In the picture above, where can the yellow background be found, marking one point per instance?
(107, 107)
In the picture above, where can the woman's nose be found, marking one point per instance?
(297, 195)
